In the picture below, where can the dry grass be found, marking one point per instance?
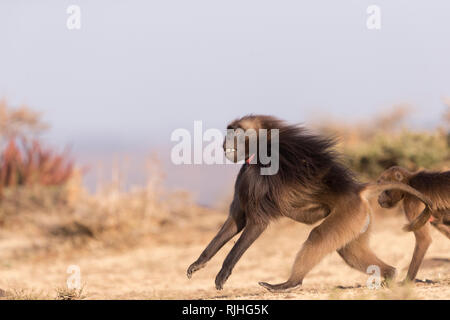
(137, 244)
(60, 293)
(156, 268)
(134, 247)
(25, 294)
(64, 293)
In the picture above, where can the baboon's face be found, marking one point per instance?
(390, 198)
(238, 142)
(232, 143)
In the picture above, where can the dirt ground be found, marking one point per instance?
(156, 269)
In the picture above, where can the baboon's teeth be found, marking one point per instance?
(230, 150)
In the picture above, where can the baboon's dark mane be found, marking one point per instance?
(303, 155)
(308, 168)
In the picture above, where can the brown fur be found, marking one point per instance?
(310, 185)
(434, 185)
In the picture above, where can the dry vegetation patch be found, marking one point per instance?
(137, 243)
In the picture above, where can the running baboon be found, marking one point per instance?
(310, 185)
(434, 185)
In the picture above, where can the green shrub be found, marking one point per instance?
(412, 150)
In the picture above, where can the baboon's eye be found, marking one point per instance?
(398, 176)
(231, 133)
(239, 133)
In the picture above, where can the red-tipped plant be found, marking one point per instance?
(29, 163)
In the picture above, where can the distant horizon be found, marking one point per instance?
(137, 70)
(134, 156)
(208, 184)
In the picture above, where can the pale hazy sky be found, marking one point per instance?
(137, 70)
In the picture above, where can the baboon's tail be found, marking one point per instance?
(371, 189)
(419, 221)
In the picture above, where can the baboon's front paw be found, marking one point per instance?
(222, 278)
(194, 267)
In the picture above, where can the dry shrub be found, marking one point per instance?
(23, 162)
(111, 218)
(44, 200)
(353, 133)
(64, 293)
(19, 122)
(27, 164)
(120, 218)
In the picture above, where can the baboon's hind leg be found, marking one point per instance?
(423, 241)
(358, 255)
(323, 239)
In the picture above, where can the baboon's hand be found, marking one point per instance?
(221, 278)
(194, 267)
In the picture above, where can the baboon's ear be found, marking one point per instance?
(398, 176)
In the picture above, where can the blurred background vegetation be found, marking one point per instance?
(369, 147)
(42, 195)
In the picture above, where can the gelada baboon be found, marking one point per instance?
(310, 185)
(434, 185)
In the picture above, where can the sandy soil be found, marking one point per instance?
(156, 269)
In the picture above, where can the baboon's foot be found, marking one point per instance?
(411, 282)
(222, 277)
(193, 268)
(427, 281)
(356, 286)
(282, 287)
